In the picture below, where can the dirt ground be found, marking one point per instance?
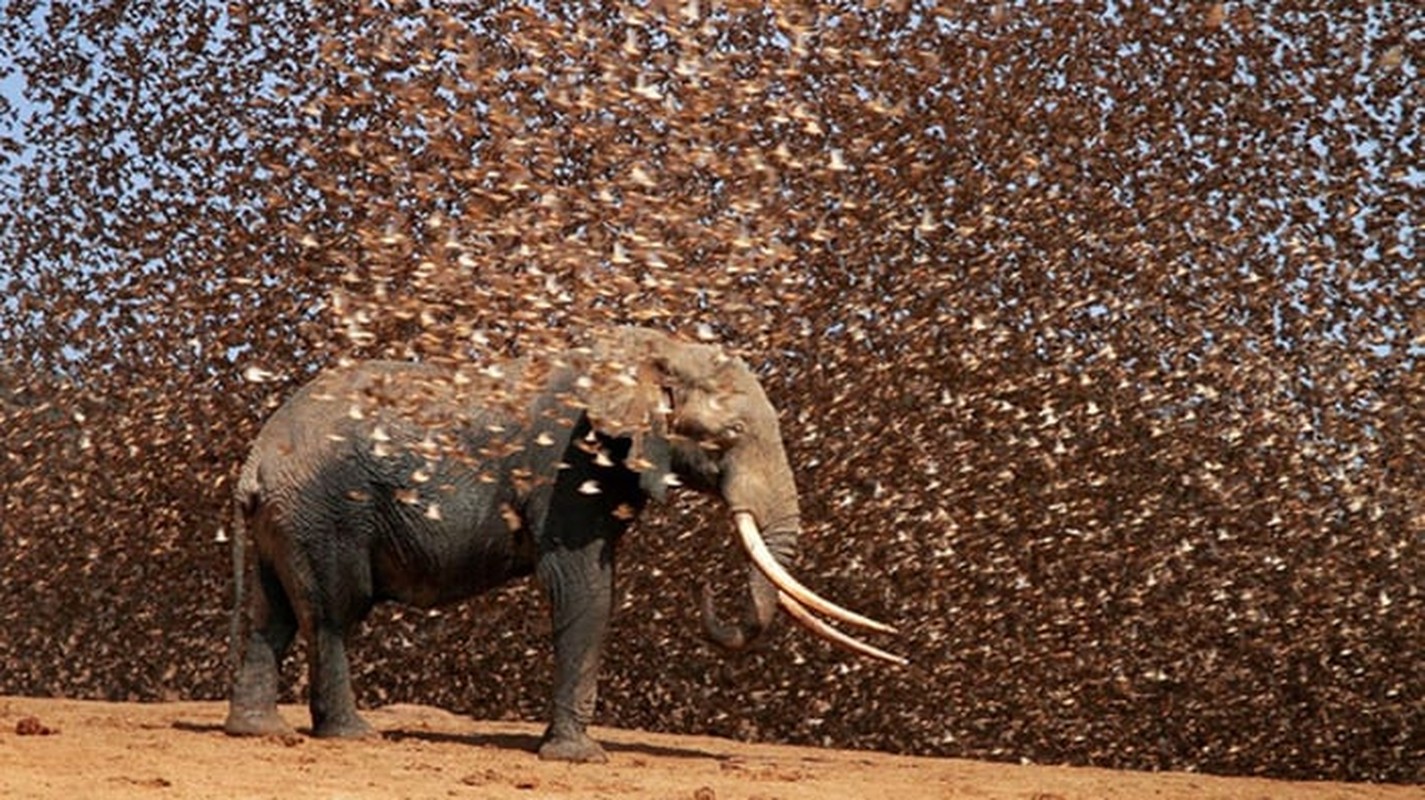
(68, 748)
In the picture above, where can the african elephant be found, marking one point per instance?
(425, 485)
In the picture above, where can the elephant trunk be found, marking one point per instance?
(760, 491)
(762, 598)
(770, 584)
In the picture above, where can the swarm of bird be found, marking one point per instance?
(1096, 335)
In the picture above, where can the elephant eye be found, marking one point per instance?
(736, 429)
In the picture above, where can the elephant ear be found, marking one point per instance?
(626, 396)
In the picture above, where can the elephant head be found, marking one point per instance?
(700, 418)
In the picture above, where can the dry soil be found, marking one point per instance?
(68, 749)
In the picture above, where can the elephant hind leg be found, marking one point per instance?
(252, 708)
(333, 703)
(345, 601)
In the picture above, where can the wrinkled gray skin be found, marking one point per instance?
(391, 481)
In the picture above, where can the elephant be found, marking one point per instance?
(423, 484)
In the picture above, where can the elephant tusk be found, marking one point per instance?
(756, 548)
(800, 613)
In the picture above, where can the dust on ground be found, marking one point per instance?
(53, 748)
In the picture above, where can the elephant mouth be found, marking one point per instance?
(799, 601)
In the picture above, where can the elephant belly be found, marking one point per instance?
(429, 563)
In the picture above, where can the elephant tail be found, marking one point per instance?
(244, 501)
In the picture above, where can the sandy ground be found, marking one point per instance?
(67, 748)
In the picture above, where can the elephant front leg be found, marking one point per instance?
(579, 584)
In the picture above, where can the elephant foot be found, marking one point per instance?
(256, 722)
(344, 727)
(577, 748)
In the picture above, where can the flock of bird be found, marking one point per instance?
(1096, 338)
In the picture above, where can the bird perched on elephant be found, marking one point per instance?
(425, 485)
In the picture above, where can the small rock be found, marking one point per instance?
(481, 778)
(31, 726)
